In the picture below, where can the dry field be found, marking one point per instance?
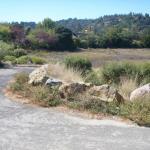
(99, 56)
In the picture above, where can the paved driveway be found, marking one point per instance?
(25, 127)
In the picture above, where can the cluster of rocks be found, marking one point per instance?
(103, 92)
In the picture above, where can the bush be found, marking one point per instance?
(82, 43)
(112, 73)
(19, 52)
(37, 60)
(23, 60)
(78, 63)
(93, 77)
(4, 53)
(145, 73)
(6, 46)
(12, 59)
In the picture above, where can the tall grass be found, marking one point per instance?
(126, 86)
(65, 74)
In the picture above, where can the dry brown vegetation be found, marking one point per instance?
(99, 57)
(60, 72)
(126, 86)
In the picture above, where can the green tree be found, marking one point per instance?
(146, 38)
(47, 24)
(65, 40)
(5, 34)
(39, 38)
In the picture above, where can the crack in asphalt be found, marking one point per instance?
(24, 127)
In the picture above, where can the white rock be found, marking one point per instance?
(53, 82)
(141, 92)
(106, 93)
(39, 75)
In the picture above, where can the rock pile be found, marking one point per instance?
(103, 92)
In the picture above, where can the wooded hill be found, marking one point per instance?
(110, 31)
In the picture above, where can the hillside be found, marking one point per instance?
(137, 22)
(110, 31)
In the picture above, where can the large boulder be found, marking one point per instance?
(106, 93)
(39, 75)
(140, 93)
(71, 89)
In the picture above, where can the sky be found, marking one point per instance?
(37, 10)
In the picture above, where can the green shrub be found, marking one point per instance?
(37, 60)
(54, 99)
(43, 95)
(54, 102)
(4, 53)
(78, 63)
(94, 77)
(28, 59)
(144, 74)
(23, 60)
(6, 46)
(19, 52)
(12, 59)
(112, 73)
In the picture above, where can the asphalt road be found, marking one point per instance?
(24, 127)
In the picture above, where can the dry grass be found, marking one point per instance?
(99, 57)
(60, 72)
(126, 86)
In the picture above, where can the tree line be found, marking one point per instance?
(44, 35)
(113, 31)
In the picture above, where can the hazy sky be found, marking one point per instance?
(36, 10)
